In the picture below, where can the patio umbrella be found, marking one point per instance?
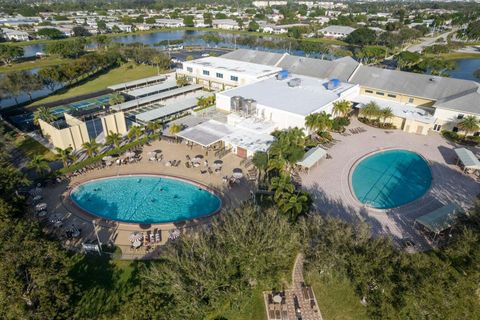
(130, 154)
(237, 173)
(135, 236)
(157, 151)
(41, 206)
(199, 157)
(107, 158)
(218, 162)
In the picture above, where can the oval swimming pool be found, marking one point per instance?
(391, 178)
(145, 199)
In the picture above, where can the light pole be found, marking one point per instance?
(98, 238)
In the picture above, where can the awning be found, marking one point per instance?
(206, 133)
(467, 158)
(440, 219)
(311, 157)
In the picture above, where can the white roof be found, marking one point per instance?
(139, 82)
(402, 110)
(467, 157)
(156, 97)
(310, 96)
(206, 133)
(177, 106)
(311, 157)
(167, 84)
(239, 67)
(212, 131)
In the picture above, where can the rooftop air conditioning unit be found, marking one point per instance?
(295, 82)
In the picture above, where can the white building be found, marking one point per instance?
(216, 73)
(121, 26)
(169, 23)
(16, 35)
(286, 102)
(337, 32)
(265, 4)
(226, 24)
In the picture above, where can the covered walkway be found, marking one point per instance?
(312, 157)
(440, 219)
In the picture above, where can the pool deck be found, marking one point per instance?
(329, 181)
(59, 203)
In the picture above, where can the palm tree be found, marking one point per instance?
(39, 164)
(157, 60)
(281, 184)
(153, 126)
(182, 81)
(386, 113)
(260, 161)
(318, 122)
(91, 147)
(370, 110)
(135, 132)
(116, 99)
(469, 124)
(65, 155)
(174, 129)
(342, 108)
(293, 205)
(113, 139)
(43, 113)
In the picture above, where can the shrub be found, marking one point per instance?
(450, 135)
(339, 124)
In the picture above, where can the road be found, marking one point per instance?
(426, 42)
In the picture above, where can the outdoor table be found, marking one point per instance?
(277, 298)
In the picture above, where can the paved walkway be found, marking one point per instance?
(300, 301)
(329, 181)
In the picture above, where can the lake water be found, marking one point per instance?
(190, 38)
(465, 69)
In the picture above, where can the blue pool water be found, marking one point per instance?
(144, 199)
(391, 178)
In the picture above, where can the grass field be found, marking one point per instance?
(30, 147)
(457, 56)
(254, 309)
(336, 298)
(126, 72)
(37, 63)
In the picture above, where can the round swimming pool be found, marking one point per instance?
(391, 178)
(145, 199)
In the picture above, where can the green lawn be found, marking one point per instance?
(456, 56)
(254, 309)
(336, 298)
(126, 72)
(30, 147)
(37, 63)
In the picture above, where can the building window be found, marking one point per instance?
(460, 116)
(437, 127)
(455, 129)
(220, 75)
(368, 91)
(392, 95)
(189, 69)
(206, 72)
(380, 93)
(234, 78)
(410, 100)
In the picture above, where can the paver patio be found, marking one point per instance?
(111, 232)
(329, 181)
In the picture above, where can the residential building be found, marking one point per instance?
(121, 26)
(169, 23)
(336, 32)
(226, 24)
(16, 35)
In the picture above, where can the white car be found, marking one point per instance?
(205, 55)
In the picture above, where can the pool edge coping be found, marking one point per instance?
(88, 216)
(386, 210)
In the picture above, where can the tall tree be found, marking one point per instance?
(66, 155)
(469, 124)
(39, 164)
(91, 147)
(8, 53)
(43, 113)
(113, 139)
(342, 108)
